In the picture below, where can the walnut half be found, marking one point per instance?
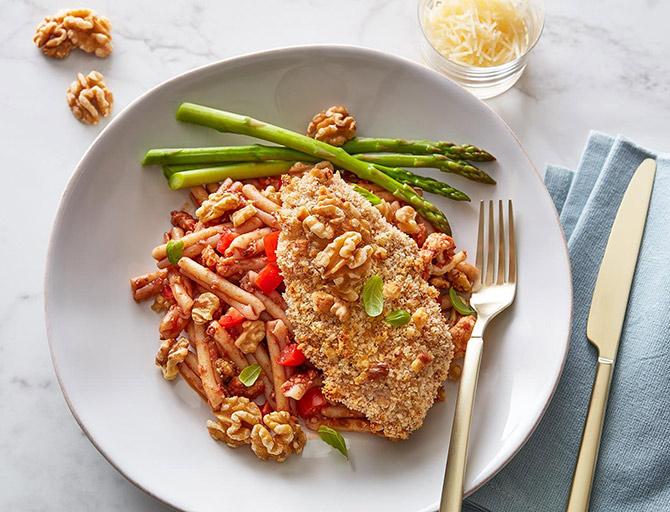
(51, 37)
(253, 332)
(89, 98)
(170, 354)
(235, 420)
(57, 35)
(277, 437)
(334, 126)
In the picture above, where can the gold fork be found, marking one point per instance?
(492, 293)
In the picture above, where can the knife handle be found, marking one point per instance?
(582, 481)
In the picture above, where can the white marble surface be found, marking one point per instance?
(601, 65)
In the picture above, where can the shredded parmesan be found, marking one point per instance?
(477, 32)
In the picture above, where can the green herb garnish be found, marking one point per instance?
(459, 304)
(373, 296)
(250, 375)
(374, 200)
(398, 317)
(333, 438)
(174, 249)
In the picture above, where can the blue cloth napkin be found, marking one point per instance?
(633, 471)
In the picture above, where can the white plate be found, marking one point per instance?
(114, 211)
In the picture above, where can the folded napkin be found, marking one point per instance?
(633, 471)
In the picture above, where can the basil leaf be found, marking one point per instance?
(374, 200)
(333, 438)
(250, 374)
(459, 304)
(398, 317)
(174, 249)
(373, 296)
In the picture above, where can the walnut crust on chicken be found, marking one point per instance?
(390, 374)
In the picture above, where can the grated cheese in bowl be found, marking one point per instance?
(480, 33)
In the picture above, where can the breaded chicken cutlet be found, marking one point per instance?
(332, 241)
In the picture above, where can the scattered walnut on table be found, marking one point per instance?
(334, 126)
(89, 98)
(89, 32)
(57, 35)
(277, 437)
(51, 38)
(235, 420)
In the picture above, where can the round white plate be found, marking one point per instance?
(114, 211)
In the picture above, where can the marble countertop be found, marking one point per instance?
(599, 65)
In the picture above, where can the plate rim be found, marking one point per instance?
(353, 49)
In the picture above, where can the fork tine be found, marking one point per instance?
(479, 261)
(512, 246)
(501, 245)
(491, 249)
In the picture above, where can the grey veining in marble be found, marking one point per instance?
(601, 65)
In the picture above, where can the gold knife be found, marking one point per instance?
(608, 310)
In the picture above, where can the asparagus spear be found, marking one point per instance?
(186, 179)
(235, 123)
(419, 147)
(169, 170)
(250, 153)
(374, 200)
(255, 170)
(441, 162)
(196, 158)
(422, 182)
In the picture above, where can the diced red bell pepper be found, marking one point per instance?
(270, 242)
(311, 403)
(166, 291)
(225, 241)
(291, 355)
(269, 278)
(231, 319)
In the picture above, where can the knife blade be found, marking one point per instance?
(610, 295)
(606, 317)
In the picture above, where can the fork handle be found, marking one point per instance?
(582, 481)
(452, 488)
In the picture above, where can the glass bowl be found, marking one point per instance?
(484, 82)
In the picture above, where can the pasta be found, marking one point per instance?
(233, 257)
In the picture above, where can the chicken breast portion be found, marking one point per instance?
(332, 241)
